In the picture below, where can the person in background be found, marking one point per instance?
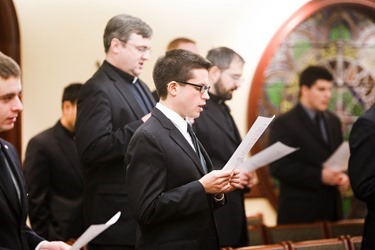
(172, 188)
(14, 232)
(111, 106)
(362, 170)
(53, 174)
(218, 133)
(183, 43)
(309, 190)
(179, 43)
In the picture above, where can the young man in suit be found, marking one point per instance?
(362, 170)
(224, 77)
(111, 106)
(53, 175)
(179, 43)
(14, 233)
(172, 188)
(309, 191)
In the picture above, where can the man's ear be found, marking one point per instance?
(115, 45)
(172, 88)
(214, 74)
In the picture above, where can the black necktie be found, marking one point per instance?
(319, 119)
(7, 179)
(144, 101)
(197, 148)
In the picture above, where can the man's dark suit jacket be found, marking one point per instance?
(303, 197)
(220, 141)
(14, 233)
(362, 170)
(53, 175)
(167, 200)
(107, 117)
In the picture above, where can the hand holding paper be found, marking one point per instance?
(93, 231)
(339, 159)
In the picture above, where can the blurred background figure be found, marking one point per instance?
(53, 175)
(218, 133)
(183, 43)
(362, 170)
(309, 190)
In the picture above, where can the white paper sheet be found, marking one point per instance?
(339, 160)
(266, 156)
(259, 126)
(93, 231)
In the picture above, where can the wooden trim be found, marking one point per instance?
(10, 45)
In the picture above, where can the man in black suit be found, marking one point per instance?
(111, 106)
(219, 135)
(14, 232)
(172, 189)
(362, 170)
(309, 191)
(53, 175)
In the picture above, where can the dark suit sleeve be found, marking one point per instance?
(294, 169)
(37, 179)
(98, 140)
(362, 160)
(147, 175)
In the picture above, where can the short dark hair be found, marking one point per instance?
(176, 65)
(71, 92)
(122, 26)
(8, 67)
(311, 74)
(222, 57)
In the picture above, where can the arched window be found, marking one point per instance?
(339, 35)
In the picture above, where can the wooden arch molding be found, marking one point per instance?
(265, 188)
(10, 45)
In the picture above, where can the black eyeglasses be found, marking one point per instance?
(201, 88)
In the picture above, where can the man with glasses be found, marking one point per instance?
(172, 188)
(219, 135)
(111, 106)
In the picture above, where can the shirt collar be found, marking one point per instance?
(311, 113)
(173, 116)
(127, 77)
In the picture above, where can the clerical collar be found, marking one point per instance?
(127, 77)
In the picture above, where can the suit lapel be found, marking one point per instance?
(16, 170)
(180, 140)
(124, 89)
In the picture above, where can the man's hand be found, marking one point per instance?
(344, 182)
(247, 179)
(53, 245)
(330, 177)
(221, 181)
